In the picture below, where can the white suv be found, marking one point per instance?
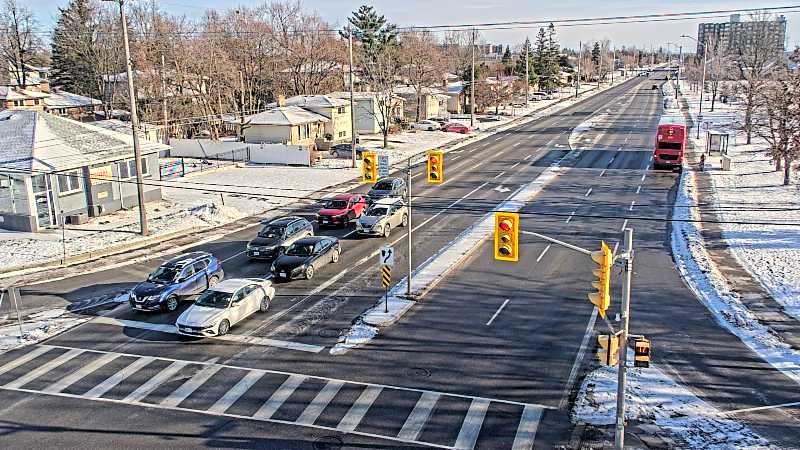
(382, 216)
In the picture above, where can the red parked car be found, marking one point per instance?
(456, 128)
(340, 210)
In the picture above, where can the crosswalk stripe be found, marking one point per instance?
(279, 396)
(117, 378)
(191, 385)
(526, 432)
(471, 427)
(67, 381)
(356, 412)
(43, 369)
(235, 392)
(153, 383)
(416, 420)
(315, 408)
(33, 354)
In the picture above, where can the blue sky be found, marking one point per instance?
(427, 12)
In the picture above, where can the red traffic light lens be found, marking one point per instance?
(434, 159)
(506, 225)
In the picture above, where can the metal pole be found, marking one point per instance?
(619, 440)
(352, 102)
(137, 156)
(600, 66)
(410, 228)
(678, 74)
(13, 293)
(527, 77)
(386, 300)
(578, 82)
(164, 100)
(702, 87)
(63, 238)
(472, 85)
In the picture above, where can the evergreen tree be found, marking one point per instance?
(373, 31)
(596, 54)
(508, 66)
(520, 67)
(541, 60)
(553, 60)
(73, 43)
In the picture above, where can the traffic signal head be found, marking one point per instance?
(641, 356)
(506, 236)
(602, 298)
(435, 167)
(369, 167)
(609, 349)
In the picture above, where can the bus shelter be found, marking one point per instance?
(717, 142)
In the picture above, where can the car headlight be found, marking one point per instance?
(298, 269)
(272, 267)
(152, 298)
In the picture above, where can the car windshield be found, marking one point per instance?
(300, 250)
(336, 204)
(378, 210)
(163, 275)
(213, 299)
(383, 185)
(272, 232)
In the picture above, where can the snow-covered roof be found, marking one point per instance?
(9, 93)
(34, 94)
(64, 99)
(36, 141)
(410, 90)
(345, 95)
(315, 101)
(286, 115)
(455, 88)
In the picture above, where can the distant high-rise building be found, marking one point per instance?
(735, 34)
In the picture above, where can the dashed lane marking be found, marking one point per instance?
(632, 203)
(624, 225)
(570, 217)
(497, 313)
(543, 253)
(588, 192)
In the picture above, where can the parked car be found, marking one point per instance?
(346, 151)
(387, 187)
(542, 95)
(382, 216)
(340, 210)
(278, 234)
(175, 280)
(426, 125)
(224, 305)
(453, 127)
(439, 120)
(492, 118)
(303, 258)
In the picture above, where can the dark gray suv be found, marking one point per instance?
(278, 234)
(387, 187)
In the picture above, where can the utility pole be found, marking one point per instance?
(578, 81)
(613, 64)
(241, 102)
(137, 155)
(527, 85)
(702, 87)
(352, 102)
(472, 85)
(164, 100)
(619, 440)
(410, 228)
(678, 76)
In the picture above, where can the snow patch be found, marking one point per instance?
(38, 327)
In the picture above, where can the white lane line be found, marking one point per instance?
(624, 225)
(570, 217)
(416, 420)
(612, 159)
(528, 157)
(33, 354)
(516, 144)
(113, 380)
(515, 165)
(468, 435)
(757, 408)
(588, 192)
(543, 253)
(638, 188)
(616, 247)
(579, 357)
(235, 392)
(244, 339)
(352, 232)
(456, 157)
(498, 138)
(43, 369)
(526, 431)
(496, 313)
(76, 376)
(417, 175)
(153, 383)
(359, 409)
(233, 256)
(320, 402)
(280, 395)
(632, 203)
(643, 177)
(500, 174)
(191, 385)
(603, 172)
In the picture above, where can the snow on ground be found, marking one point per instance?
(770, 253)
(36, 328)
(652, 397)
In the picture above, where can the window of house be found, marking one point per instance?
(69, 182)
(305, 131)
(127, 169)
(341, 110)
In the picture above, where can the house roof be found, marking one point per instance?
(315, 101)
(345, 95)
(286, 115)
(64, 99)
(9, 93)
(41, 142)
(410, 90)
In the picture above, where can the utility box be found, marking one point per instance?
(726, 163)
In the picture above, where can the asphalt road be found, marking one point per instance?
(488, 359)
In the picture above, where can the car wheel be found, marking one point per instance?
(387, 230)
(335, 257)
(223, 328)
(405, 220)
(264, 304)
(171, 304)
(309, 272)
(213, 280)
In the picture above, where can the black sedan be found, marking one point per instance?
(305, 256)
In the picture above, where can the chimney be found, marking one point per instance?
(281, 100)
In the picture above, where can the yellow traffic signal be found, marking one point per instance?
(506, 236)
(436, 167)
(602, 298)
(641, 355)
(369, 167)
(609, 349)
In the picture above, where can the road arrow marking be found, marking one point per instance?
(502, 189)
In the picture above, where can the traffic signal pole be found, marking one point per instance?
(619, 439)
(410, 228)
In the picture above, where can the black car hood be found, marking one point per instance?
(264, 242)
(289, 262)
(377, 193)
(147, 288)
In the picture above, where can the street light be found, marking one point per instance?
(137, 155)
(702, 82)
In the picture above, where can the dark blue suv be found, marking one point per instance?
(176, 279)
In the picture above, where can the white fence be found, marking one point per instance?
(296, 155)
(240, 151)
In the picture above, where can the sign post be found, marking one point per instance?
(383, 165)
(386, 263)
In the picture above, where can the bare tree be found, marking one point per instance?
(718, 66)
(423, 63)
(18, 39)
(772, 118)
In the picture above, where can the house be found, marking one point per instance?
(432, 102)
(52, 168)
(74, 106)
(456, 97)
(367, 109)
(290, 125)
(16, 98)
(36, 95)
(337, 111)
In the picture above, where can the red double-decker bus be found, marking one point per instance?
(670, 143)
